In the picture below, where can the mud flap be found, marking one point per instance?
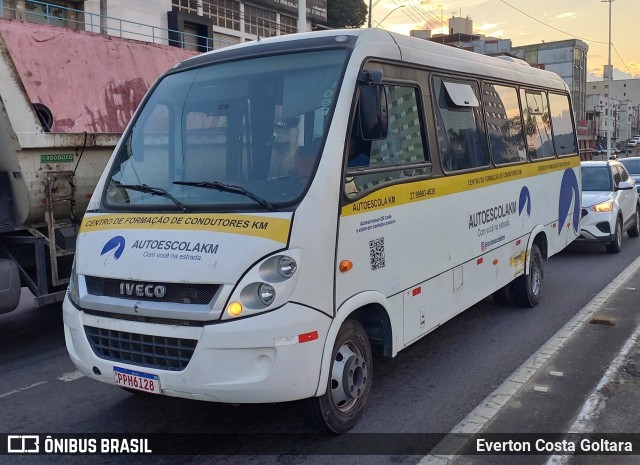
(9, 285)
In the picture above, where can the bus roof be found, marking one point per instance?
(411, 49)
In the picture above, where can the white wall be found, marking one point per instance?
(133, 19)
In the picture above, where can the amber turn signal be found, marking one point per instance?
(345, 265)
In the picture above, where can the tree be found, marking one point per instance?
(346, 13)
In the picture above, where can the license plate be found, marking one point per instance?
(136, 380)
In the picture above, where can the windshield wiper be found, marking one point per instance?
(228, 188)
(155, 191)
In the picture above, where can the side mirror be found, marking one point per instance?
(374, 121)
(625, 185)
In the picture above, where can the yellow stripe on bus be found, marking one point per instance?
(401, 194)
(276, 229)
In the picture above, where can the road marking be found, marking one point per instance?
(489, 408)
(72, 376)
(586, 420)
(15, 391)
(66, 377)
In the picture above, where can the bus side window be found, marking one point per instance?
(537, 123)
(562, 123)
(460, 130)
(402, 154)
(504, 123)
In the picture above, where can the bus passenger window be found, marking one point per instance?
(460, 130)
(537, 124)
(504, 123)
(562, 122)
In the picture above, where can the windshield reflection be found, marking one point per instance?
(256, 125)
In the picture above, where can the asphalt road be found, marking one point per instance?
(427, 388)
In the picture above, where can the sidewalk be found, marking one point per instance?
(585, 380)
(614, 406)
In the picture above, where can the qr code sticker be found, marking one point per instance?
(376, 253)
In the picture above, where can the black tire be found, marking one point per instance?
(503, 296)
(527, 288)
(634, 231)
(349, 384)
(615, 246)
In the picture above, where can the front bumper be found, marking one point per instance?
(253, 360)
(597, 226)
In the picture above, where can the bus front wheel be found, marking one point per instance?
(349, 384)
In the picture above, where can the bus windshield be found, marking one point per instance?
(236, 135)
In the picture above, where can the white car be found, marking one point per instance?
(610, 204)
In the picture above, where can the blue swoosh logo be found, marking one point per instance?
(116, 243)
(525, 201)
(569, 193)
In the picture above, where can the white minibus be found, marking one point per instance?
(278, 208)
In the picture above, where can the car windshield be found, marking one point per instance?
(596, 178)
(632, 166)
(231, 136)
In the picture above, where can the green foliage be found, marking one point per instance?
(346, 13)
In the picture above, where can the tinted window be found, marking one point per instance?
(537, 124)
(632, 166)
(562, 122)
(596, 178)
(504, 123)
(461, 135)
(403, 147)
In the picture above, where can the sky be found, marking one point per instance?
(528, 22)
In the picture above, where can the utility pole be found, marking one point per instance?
(608, 74)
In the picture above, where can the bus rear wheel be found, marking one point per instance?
(349, 384)
(526, 289)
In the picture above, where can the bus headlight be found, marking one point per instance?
(72, 289)
(266, 286)
(287, 266)
(266, 294)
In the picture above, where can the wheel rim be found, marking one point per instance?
(348, 376)
(536, 277)
(618, 234)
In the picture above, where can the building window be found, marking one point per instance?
(260, 22)
(189, 6)
(288, 25)
(223, 13)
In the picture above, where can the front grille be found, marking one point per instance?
(164, 353)
(584, 212)
(180, 293)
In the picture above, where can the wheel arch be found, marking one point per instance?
(538, 237)
(371, 310)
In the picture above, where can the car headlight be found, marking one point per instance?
(603, 207)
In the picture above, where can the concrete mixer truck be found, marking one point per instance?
(65, 98)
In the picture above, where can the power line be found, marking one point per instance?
(571, 35)
(623, 62)
(549, 26)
